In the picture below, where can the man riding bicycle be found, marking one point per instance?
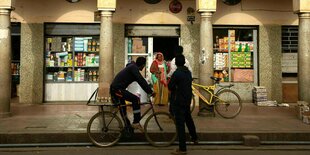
(119, 93)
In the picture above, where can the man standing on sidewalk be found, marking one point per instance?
(181, 95)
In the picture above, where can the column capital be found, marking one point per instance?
(108, 5)
(305, 15)
(105, 13)
(6, 10)
(206, 14)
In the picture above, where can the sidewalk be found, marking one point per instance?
(59, 123)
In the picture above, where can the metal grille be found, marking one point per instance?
(289, 39)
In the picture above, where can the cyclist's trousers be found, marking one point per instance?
(123, 95)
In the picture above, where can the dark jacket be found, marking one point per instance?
(127, 76)
(181, 87)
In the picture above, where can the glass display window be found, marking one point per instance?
(235, 53)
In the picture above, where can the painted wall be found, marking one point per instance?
(248, 12)
(269, 14)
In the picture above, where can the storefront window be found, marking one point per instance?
(235, 54)
(71, 61)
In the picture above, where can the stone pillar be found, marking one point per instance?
(206, 8)
(5, 62)
(106, 68)
(304, 57)
(302, 8)
(206, 59)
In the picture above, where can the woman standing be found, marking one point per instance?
(159, 70)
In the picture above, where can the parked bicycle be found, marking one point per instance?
(106, 127)
(227, 102)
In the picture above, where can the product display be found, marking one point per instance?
(233, 55)
(70, 59)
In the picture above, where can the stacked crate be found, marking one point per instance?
(259, 95)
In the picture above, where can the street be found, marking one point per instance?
(149, 150)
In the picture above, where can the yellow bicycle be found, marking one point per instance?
(227, 102)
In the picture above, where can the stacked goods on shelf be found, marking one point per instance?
(80, 44)
(93, 75)
(59, 44)
(260, 97)
(87, 60)
(137, 45)
(61, 58)
(79, 59)
(241, 60)
(92, 45)
(79, 74)
(220, 61)
(92, 60)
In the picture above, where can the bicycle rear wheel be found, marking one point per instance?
(104, 135)
(160, 129)
(228, 104)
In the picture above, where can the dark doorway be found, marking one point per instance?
(15, 60)
(166, 46)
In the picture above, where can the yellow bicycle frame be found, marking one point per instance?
(209, 89)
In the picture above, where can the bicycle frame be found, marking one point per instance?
(209, 89)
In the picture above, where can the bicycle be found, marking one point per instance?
(106, 127)
(227, 102)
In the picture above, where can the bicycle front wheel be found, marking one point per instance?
(104, 129)
(228, 104)
(160, 129)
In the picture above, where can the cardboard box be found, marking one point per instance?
(243, 75)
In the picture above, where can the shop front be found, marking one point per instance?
(60, 58)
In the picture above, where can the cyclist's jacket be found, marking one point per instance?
(181, 86)
(127, 76)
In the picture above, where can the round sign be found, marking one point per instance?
(175, 6)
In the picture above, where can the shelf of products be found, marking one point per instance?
(72, 59)
(137, 47)
(234, 54)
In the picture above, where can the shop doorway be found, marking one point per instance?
(15, 60)
(166, 46)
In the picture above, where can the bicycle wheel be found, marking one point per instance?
(228, 104)
(104, 135)
(160, 129)
(193, 104)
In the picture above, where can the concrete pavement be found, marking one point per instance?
(66, 123)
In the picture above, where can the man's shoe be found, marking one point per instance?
(195, 141)
(178, 152)
(137, 126)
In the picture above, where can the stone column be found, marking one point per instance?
(106, 68)
(304, 57)
(206, 59)
(5, 62)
